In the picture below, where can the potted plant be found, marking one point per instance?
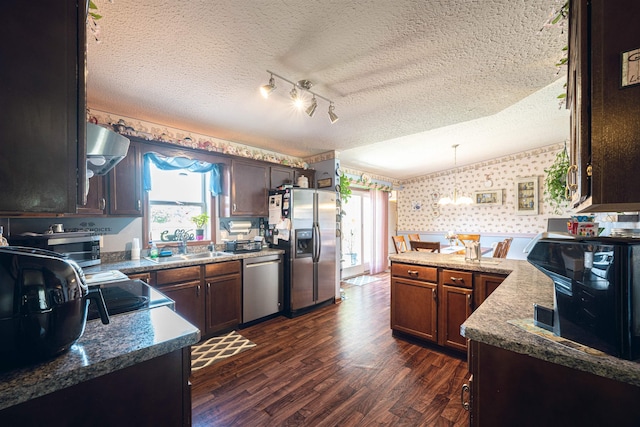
(200, 221)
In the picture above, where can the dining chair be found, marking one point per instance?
(413, 237)
(502, 248)
(400, 244)
(420, 246)
(463, 238)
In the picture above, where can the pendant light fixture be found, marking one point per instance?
(296, 97)
(456, 197)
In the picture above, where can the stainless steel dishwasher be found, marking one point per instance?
(261, 287)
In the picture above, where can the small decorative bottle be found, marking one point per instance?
(3, 240)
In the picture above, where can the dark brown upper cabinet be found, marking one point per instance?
(42, 87)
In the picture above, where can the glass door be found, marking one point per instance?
(357, 234)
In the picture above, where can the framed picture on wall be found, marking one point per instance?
(527, 196)
(488, 197)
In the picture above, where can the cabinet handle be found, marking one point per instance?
(469, 299)
(434, 292)
(572, 185)
(455, 279)
(139, 205)
(198, 290)
(208, 288)
(413, 273)
(103, 204)
(234, 207)
(465, 389)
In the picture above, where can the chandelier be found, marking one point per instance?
(298, 101)
(456, 197)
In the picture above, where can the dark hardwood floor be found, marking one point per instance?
(336, 366)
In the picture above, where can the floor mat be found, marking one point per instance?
(361, 280)
(218, 348)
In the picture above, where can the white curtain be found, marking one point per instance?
(379, 261)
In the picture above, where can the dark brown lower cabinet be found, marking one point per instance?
(455, 306)
(223, 282)
(151, 393)
(414, 308)
(513, 389)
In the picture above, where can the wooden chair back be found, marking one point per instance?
(462, 238)
(413, 237)
(419, 246)
(502, 248)
(400, 244)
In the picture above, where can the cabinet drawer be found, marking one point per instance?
(222, 268)
(174, 275)
(457, 278)
(416, 272)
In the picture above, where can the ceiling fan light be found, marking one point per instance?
(332, 116)
(268, 88)
(311, 110)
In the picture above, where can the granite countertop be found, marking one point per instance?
(142, 265)
(129, 339)
(513, 300)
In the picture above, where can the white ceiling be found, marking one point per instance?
(409, 78)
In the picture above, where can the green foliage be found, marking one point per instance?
(345, 190)
(555, 182)
(92, 6)
(200, 220)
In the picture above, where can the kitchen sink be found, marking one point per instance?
(187, 257)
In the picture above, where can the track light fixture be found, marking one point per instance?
(311, 110)
(268, 88)
(296, 97)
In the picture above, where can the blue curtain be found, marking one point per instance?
(175, 163)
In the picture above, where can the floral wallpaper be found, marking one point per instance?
(418, 209)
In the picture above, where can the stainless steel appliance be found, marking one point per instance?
(83, 247)
(43, 304)
(309, 244)
(597, 291)
(262, 291)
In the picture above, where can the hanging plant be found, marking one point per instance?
(345, 191)
(555, 182)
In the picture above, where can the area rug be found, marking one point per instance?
(361, 280)
(218, 348)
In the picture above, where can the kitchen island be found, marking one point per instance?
(133, 371)
(520, 378)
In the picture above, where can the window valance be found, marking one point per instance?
(176, 163)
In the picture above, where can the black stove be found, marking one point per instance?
(128, 295)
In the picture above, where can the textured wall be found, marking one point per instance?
(417, 201)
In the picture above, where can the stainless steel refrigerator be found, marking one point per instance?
(310, 251)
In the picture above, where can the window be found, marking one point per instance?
(176, 197)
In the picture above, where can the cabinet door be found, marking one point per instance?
(249, 188)
(281, 176)
(125, 185)
(485, 284)
(189, 299)
(455, 307)
(96, 198)
(223, 309)
(414, 308)
(43, 105)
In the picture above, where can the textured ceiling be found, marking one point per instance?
(408, 78)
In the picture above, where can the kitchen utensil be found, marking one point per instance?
(45, 304)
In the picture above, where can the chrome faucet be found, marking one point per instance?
(182, 242)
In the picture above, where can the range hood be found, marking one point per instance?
(105, 148)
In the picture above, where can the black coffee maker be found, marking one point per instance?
(597, 291)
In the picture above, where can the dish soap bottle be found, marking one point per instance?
(153, 250)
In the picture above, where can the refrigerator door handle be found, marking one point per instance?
(317, 247)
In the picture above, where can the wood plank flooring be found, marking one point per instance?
(336, 366)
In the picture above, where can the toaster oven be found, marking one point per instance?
(83, 247)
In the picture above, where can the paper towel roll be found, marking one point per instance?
(240, 224)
